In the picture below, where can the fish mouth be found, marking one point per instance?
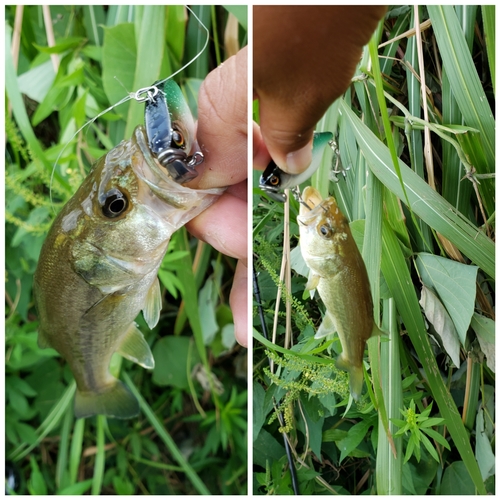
(161, 182)
(310, 201)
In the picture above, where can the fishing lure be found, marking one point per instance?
(168, 137)
(274, 180)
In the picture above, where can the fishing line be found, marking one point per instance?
(137, 96)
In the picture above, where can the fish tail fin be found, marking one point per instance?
(117, 401)
(356, 376)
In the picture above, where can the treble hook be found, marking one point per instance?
(296, 194)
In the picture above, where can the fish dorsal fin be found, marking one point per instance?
(135, 348)
(327, 327)
(152, 307)
(312, 281)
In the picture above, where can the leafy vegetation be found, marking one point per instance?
(191, 434)
(425, 224)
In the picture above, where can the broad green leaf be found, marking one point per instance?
(259, 417)
(298, 263)
(312, 426)
(484, 453)
(171, 355)
(119, 56)
(36, 82)
(419, 475)
(332, 435)
(436, 313)
(485, 331)
(354, 436)
(457, 481)
(266, 447)
(426, 203)
(455, 283)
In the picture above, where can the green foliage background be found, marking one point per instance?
(425, 424)
(191, 434)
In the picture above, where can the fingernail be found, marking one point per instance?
(298, 161)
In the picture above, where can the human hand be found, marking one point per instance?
(303, 59)
(222, 136)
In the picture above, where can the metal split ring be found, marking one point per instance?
(196, 159)
(151, 93)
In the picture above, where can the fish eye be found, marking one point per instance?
(178, 139)
(274, 180)
(325, 231)
(114, 205)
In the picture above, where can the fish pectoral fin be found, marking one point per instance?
(312, 281)
(152, 307)
(327, 327)
(135, 348)
(116, 401)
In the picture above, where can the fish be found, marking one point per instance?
(274, 180)
(98, 266)
(339, 274)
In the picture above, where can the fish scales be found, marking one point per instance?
(338, 272)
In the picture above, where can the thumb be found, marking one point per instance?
(288, 130)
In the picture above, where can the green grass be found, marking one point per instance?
(418, 223)
(189, 438)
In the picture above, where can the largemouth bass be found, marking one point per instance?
(98, 266)
(339, 274)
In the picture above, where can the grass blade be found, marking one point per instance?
(425, 202)
(489, 31)
(48, 424)
(389, 468)
(62, 457)
(466, 87)
(100, 456)
(75, 453)
(166, 438)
